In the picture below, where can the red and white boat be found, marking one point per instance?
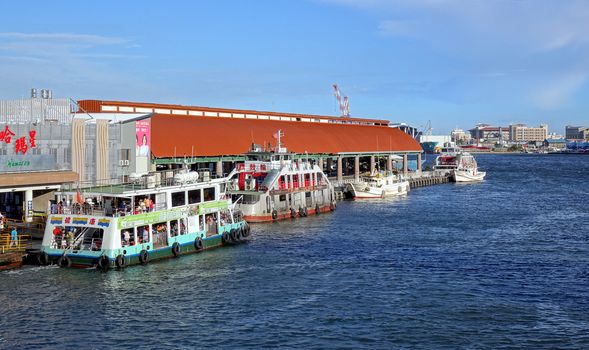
(275, 185)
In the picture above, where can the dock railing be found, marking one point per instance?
(7, 245)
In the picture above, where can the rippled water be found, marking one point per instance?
(500, 264)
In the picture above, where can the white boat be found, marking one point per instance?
(461, 165)
(274, 185)
(379, 185)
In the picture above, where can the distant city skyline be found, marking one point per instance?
(455, 63)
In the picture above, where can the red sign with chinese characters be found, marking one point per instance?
(20, 144)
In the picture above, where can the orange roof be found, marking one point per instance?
(182, 135)
(100, 106)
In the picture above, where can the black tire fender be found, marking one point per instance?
(176, 249)
(293, 213)
(43, 259)
(274, 214)
(198, 244)
(143, 257)
(64, 261)
(225, 238)
(317, 209)
(120, 261)
(103, 263)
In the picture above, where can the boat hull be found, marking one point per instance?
(287, 215)
(395, 190)
(468, 176)
(90, 259)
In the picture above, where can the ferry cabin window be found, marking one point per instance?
(177, 227)
(211, 223)
(194, 196)
(282, 198)
(142, 234)
(160, 234)
(178, 198)
(209, 194)
(127, 237)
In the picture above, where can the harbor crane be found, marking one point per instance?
(344, 106)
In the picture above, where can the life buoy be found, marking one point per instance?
(43, 259)
(103, 263)
(293, 213)
(120, 261)
(176, 249)
(143, 257)
(317, 209)
(64, 261)
(274, 214)
(225, 238)
(198, 244)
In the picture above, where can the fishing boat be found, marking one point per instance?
(274, 184)
(156, 216)
(461, 165)
(379, 185)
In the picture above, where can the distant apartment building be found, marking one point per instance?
(523, 133)
(577, 132)
(486, 132)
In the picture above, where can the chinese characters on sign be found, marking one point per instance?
(20, 144)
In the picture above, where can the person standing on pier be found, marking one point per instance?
(14, 237)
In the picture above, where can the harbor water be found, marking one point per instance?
(499, 264)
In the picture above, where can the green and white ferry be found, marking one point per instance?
(159, 215)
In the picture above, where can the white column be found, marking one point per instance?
(405, 164)
(28, 203)
(340, 174)
(357, 168)
(419, 164)
(219, 169)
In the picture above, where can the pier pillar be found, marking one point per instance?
(340, 175)
(390, 162)
(219, 168)
(419, 164)
(357, 168)
(320, 163)
(372, 164)
(405, 164)
(28, 203)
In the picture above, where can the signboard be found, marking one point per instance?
(29, 162)
(142, 138)
(211, 207)
(151, 218)
(79, 221)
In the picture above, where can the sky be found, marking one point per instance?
(455, 63)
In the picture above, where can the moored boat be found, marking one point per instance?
(379, 185)
(135, 223)
(274, 185)
(461, 165)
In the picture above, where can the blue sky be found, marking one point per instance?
(453, 62)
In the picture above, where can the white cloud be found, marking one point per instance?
(399, 28)
(64, 38)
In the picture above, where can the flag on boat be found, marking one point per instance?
(79, 198)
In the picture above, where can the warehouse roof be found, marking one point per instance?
(176, 136)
